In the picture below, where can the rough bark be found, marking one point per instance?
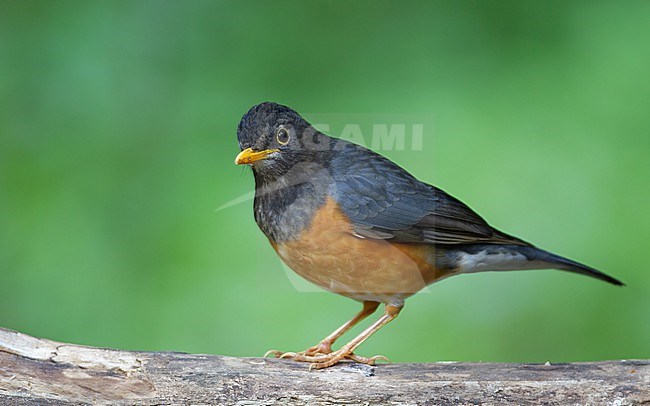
(44, 372)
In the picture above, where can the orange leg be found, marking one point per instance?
(325, 346)
(327, 360)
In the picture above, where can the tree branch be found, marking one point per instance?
(39, 371)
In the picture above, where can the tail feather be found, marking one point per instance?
(567, 264)
(496, 257)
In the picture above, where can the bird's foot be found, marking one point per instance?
(322, 348)
(328, 360)
(321, 360)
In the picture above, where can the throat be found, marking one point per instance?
(286, 205)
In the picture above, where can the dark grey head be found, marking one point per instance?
(274, 138)
(290, 161)
(259, 127)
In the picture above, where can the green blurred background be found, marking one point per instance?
(118, 132)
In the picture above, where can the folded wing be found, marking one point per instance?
(383, 201)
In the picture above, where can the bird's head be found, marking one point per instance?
(273, 139)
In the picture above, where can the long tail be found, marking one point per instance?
(486, 257)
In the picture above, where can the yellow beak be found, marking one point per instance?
(248, 156)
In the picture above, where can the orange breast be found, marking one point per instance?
(330, 255)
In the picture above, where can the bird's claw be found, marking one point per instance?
(320, 349)
(275, 353)
(320, 360)
(367, 360)
(338, 356)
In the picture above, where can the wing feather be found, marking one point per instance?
(383, 201)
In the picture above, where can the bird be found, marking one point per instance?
(353, 222)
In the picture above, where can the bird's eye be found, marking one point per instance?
(283, 136)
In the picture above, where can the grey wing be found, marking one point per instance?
(383, 201)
